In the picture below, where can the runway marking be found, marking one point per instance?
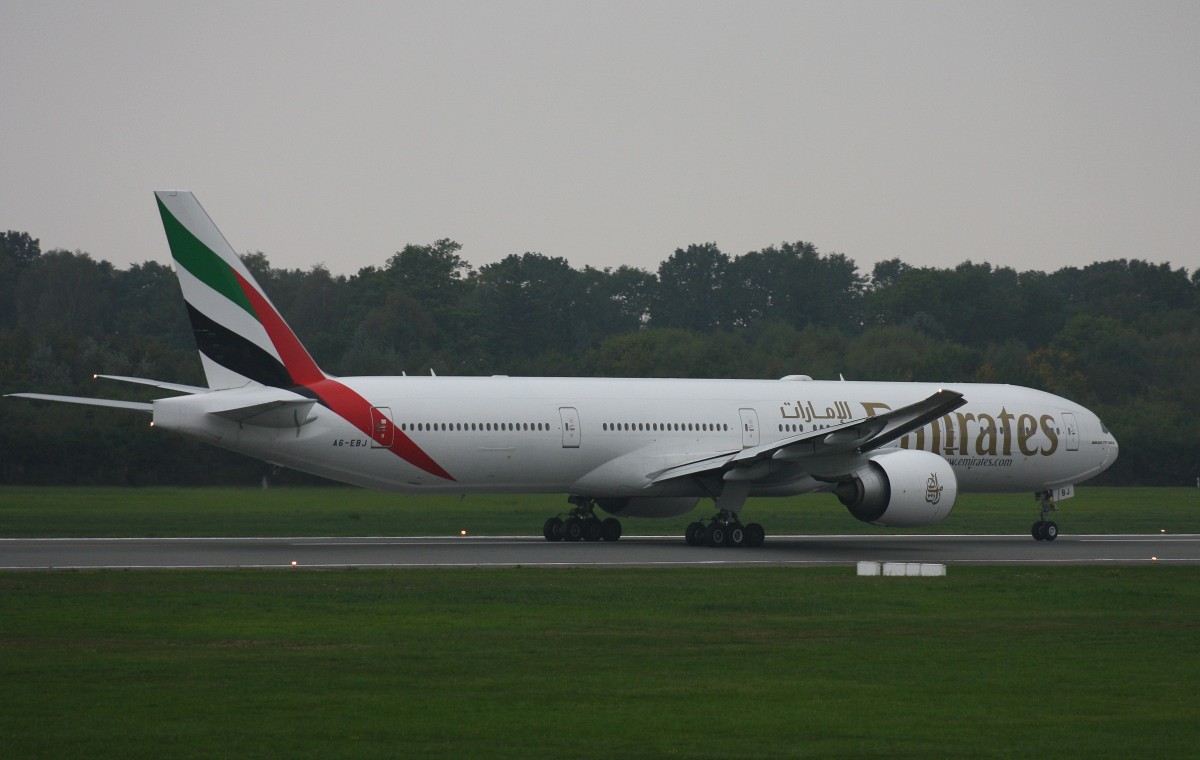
(1131, 540)
(599, 565)
(458, 552)
(455, 565)
(362, 540)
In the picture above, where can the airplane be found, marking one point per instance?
(894, 453)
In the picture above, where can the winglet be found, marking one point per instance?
(907, 419)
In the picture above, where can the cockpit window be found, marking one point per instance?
(1104, 428)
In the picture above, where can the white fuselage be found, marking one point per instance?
(606, 437)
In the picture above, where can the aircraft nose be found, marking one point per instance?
(1108, 445)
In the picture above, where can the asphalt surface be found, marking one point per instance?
(630, 551)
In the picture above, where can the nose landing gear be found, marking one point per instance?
(1043, 529)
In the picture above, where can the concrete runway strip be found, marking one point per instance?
(630, 551)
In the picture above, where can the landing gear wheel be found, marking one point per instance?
(755, 535)
(714, 535)
(610, 529)
(592, 529)
(735, 535)
(581, 523)
(1045, 531)
(694, 535)
(572, 529)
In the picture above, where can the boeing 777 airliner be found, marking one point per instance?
(896, 454)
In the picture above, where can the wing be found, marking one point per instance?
(851, 438)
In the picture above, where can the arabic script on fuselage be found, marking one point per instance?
(962, 433)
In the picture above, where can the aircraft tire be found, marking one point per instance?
(1050, 531)
(756, 536)
(592, 530)
(735, 535)
(714, 535)
(553, 529)
(611, 529)
(572, 529)
(694, 535)
(1036, 531)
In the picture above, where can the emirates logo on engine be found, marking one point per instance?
(933, 491)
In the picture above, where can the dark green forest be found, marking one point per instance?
(1122, 337)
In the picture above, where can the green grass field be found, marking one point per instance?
(985, 663)
(102, 512)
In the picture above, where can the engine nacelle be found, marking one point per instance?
(648, 506)
(901, 489)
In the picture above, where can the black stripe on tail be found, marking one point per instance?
(236, 353)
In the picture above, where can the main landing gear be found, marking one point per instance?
(1043, 529)
(581, 524)
(725, 529)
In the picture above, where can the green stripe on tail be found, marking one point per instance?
(203, 264)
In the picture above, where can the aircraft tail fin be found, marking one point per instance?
(240, 334)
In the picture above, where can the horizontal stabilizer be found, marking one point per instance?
(140, 406)
(269, 407)
(271, 414)
(178, 387)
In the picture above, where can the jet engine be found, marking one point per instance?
(648, 506)
(900, 489)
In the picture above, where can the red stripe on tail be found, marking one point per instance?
(344, 402)
(356, 410)
(299, 364)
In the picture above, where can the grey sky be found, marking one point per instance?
(1033, 135)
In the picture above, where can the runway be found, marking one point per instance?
(630, 551)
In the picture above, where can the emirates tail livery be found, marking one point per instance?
(896, 454)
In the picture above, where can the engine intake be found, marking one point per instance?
(900, 489)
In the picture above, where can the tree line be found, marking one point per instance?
(1122, 337)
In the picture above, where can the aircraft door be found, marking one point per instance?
(570, 427)
(749, 428)
(1071, 428)
(383, 432)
